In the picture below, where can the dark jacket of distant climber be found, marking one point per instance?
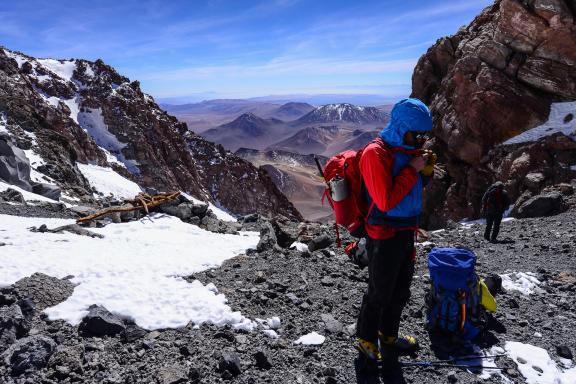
(495, 201)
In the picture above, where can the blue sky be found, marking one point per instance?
(241, 48)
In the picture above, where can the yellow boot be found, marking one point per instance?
(369, 349)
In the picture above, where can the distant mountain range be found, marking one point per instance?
(324, 130)
(280, 138)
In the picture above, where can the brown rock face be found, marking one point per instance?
(491, 81)
(80, 111)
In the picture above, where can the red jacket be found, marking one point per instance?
(387, 191)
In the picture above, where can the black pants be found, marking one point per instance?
(390, 271)
(492, 220)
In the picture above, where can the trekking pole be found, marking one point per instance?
(446, 365)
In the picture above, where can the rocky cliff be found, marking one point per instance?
(491, 81)
(76, 111)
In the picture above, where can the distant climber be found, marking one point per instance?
(494, 203)
(392, 169)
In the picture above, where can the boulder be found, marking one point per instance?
(14, 165)
(13, 196)
(13, 325)
(100, 322)
(286, 230)
(29, 354)
(534, 180)
(181, 211)
(230, 361)
(45, 291)
(267, 238)
(542, 205)
(47, 190)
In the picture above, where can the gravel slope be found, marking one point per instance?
(321, 291)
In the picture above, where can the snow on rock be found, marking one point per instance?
(134, 271)
(312, 338)
(523, 282)
(3, 123)
(273, 322)
(64, 69)
(13, 55)
(536, 366)
(220, 213)
(562, 119)
(108, 182)
(74, 105)
(300, 247)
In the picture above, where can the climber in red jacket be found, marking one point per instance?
(394, 175)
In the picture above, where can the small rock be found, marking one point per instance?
(230, 362)
(512, 303)
(187, 350)
(327, 281)
(100, 322)
(319, 242)
(172, 375)
(452, 377)
(564, 352)
(262, 360)
(521, 360)
(331, 324)
(293, 298)
(133, 333)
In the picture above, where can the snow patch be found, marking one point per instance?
(220, 213)
(523, 282)
(108, 182)
(92, 122)
(312, 338)
(74, 106)
(559, 121)
(301, 247)
(134, 271)
(536, 366)
(64, 69)
(270, 333)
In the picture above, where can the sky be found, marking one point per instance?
(208, 49)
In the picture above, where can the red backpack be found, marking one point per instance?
(344, 187)
(343, 191)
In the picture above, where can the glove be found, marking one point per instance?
(428, 170)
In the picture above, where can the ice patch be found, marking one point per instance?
(300, 247)
(64, 69)
(108, 182)
(312, 338)
(134, 271)
(523, 282)
(559, 121)
(536, 366)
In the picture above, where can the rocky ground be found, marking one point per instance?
(316, 291)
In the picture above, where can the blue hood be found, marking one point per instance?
(407, 115)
